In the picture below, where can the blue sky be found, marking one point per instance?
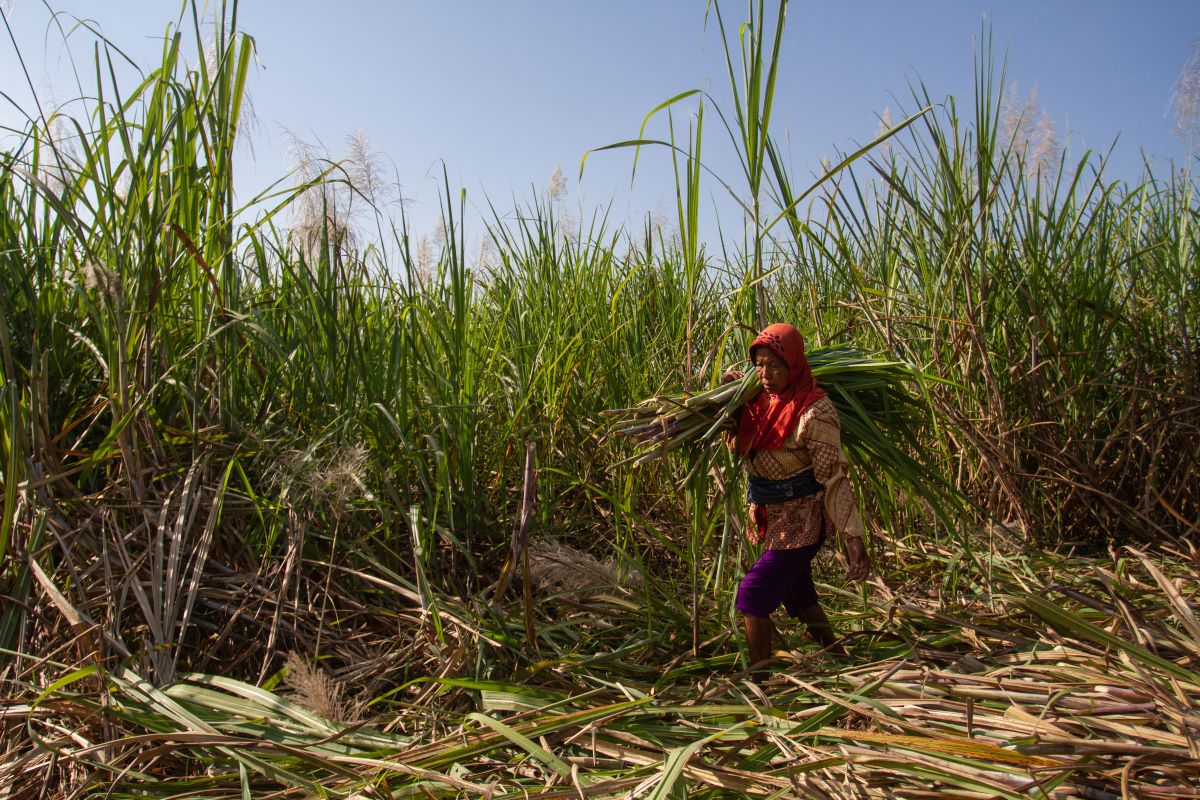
(503, 92)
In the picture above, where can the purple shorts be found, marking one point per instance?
(779, 576)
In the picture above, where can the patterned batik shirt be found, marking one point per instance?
(816, 444)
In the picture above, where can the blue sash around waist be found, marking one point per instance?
(762, 491)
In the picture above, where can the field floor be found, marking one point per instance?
(1065, 677)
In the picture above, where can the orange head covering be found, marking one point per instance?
(770, 418)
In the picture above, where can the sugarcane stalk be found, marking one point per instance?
(883, 421)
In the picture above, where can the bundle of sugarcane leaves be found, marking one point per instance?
(882, 417)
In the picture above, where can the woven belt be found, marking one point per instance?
(762, 491)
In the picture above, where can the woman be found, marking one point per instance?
(789, 438)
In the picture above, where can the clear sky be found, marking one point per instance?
(503, 92)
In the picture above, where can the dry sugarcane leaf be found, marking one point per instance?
(967, 748)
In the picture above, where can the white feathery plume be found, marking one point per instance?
(1027, 128)
(322, 209)
(487, 252)
(1185, 98)
(248, 122)
(424, 257)
(315, 690)
(558, 185)
(59, 157)
(885, 125)
(364, 169)
(555, 568)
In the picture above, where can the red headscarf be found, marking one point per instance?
(770, 418)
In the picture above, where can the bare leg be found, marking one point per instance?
(819, 627)
(758, 641)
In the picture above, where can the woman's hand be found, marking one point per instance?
(857, 558)
(732, 375)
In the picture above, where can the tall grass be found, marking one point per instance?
(221, 444)
(1057, 306)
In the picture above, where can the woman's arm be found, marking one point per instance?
(822, 432)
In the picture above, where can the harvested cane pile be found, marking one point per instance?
(873, 396)
(883, 420)
(1068, 677)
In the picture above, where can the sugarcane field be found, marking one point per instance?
(723, 466)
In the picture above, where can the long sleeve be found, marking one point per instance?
(821, 431)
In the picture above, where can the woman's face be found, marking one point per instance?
(772, 370)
